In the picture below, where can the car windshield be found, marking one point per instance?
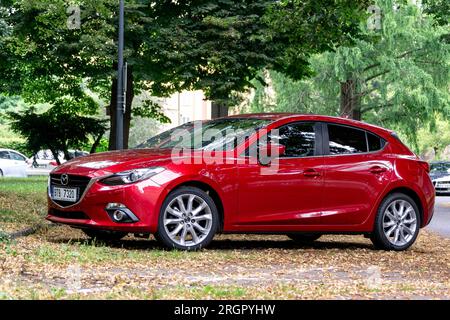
(439, 167)
(221, 134)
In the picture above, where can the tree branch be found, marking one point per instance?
(376, 75)
(389, 104)
(404, 54)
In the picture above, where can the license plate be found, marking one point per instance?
(65, 194)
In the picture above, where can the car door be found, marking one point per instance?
(5, 163)
(291, 194)
(355, 174)
(19, 163)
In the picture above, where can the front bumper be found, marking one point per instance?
(442, 187)
(143, 199)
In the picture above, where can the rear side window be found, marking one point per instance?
(346, 140)
(4, 155)
(16, 156)
(375, 143)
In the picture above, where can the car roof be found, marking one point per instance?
(277, 116)
(3, 149)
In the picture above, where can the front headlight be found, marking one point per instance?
(131, 176)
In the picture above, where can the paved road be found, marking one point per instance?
(441, 219)
(38, 172)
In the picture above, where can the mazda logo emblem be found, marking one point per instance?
(64, 179)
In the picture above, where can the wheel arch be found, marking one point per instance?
(210, 191)
(410, 193)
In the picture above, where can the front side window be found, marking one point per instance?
(298, 139)
(4, 155)
(346, 140)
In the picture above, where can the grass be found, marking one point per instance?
(24, 186)
(45, 265)
(22, 202)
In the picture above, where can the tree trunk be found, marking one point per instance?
(127, 115)
(96, 143)
(112, 116)
(128, 106)
(55, 156)
(350, 101)
(218, 110)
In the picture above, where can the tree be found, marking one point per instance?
(400, 71)
(438, 140)
(221, 46)
(396, 77)
(57, 130)
(216, 46)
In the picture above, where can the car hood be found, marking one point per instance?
(100, 164)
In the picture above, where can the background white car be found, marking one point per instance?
(44, 159)
(13, 163)
(442, 185)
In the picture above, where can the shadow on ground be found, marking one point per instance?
(224, 244)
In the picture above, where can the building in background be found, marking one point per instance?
(184, 107)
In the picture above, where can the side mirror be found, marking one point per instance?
(269, 151)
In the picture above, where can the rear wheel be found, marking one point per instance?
(188, 219)
(397, 223)
(104, 235)
(304, 237)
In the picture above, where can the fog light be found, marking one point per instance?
(118, 215)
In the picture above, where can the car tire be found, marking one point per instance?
(391, 217)
(1, 173)
(304, 237)
(188, 219)
(104, 235)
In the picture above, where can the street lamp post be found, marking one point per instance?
(120, 80)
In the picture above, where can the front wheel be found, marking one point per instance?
(397, 223)
(188, 219)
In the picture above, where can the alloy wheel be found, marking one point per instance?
(400, 222)
(187, 220)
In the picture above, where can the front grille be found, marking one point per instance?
(76, 215)
(78, 182)
(442, 183)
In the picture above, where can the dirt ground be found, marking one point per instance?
(61, 263)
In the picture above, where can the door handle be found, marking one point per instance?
(377, 170)
(311, 173)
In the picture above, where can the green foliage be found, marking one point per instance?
(440, 9)
(57, 130)
(215, 46)
(17, 145)
(401, 74)
(220, 46)
(300, 29)
(437, 140)
(9, 104)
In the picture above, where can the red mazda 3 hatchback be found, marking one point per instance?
(299, 175)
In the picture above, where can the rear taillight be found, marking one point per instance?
(425, 165)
